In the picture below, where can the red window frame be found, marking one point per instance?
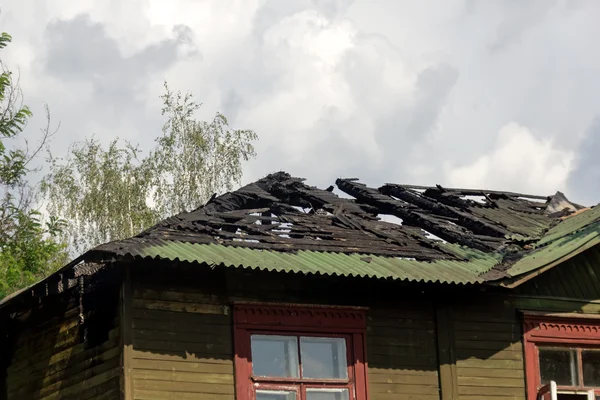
(300, 320)
(553, 331)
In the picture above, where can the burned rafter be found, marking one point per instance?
(472, 192)
(474, 224)
(282, 213)
(411, 215)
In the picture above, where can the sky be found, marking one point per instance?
(485, 94)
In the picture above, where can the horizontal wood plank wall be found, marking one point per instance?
(576, 279)
(489, 350)
(401, 351)
(50, 360)
(182, 344)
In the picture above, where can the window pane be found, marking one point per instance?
(323, 357)
(275, 395)
(559, 365)
(274, 356)
(591, 367)
(326, 394)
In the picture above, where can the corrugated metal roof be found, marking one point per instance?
(324, 263)
(570, 237)
(265, 225)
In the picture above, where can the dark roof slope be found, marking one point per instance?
(440, 234)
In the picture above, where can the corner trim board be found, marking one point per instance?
(126, 336)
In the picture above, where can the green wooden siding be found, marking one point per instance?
(489, 350)
(577, 278)
(182, 345)
(401, 351)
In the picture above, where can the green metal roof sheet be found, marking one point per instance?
(570, 237)
(333, 264)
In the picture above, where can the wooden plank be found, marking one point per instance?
(405, 379)
(488, 355)
(222, 350)
(429, 373)
(486, 382)
(381, 361)
(495, 364)
(401, 351)
(190, 326)
(181, 356)
(180, 376)
(182, 366)
(141, 394)
(504, 335)
(491, 373)
(546, 304)
(190, 387)
(176, 335)
(495, 390)
(420, 324)
(180, 307)
(488, 345)
(446, 354)
(176, 296)
(422, 336)
(403, 389)
(489, 326)
(126, 300)
(394, 396)
(181, 317)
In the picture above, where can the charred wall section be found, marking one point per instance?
(67, 347)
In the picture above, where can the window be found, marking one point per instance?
(299, 352)
(563, 354)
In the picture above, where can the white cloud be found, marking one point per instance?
(519, 161)
(383, 91)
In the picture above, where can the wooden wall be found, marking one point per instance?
(401, 351)
(182, 340)
(55, 356)
(179, 343)
(489, 352)
(183, 345)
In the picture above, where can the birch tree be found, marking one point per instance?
(116, 192)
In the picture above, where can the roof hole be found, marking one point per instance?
(246, 240)
(431, 236)
(341, 194)
(392, 219)
(302, 209)
(476, 199)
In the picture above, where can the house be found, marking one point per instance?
(283, 291)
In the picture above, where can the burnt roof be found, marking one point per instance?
(282, 213)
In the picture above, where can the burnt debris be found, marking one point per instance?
(282, 213)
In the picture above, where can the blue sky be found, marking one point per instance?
(496, 94)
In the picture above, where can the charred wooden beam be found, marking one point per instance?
(389, 205)
(474, 192)
(466, 220)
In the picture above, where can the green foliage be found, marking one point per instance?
(102, 193)
(114, 193)
(29, 248)
(32, 252)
